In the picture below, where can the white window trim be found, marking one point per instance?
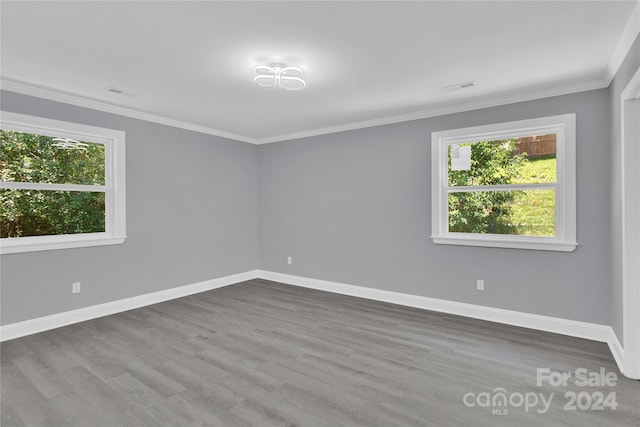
(114, 188)
(564, 126)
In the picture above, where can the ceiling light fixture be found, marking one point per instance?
(279, 75)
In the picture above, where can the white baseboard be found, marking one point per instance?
(41, 324)
(591, 331)
(556, 325)
(618, 351)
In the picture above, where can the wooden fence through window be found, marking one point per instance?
(537, 146)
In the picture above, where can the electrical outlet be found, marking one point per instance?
(480, 285)
(289, 260)
(75, 288)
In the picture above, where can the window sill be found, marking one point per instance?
(47, 243)
(494, 241)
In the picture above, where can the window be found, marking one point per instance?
(509, 185)
(62, 185)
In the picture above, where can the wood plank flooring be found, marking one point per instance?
(261, 353)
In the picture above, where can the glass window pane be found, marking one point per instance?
(41, 213)
(526, 213)
(26, 157)
(526, 160)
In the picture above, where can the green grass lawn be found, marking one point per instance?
(533, 211)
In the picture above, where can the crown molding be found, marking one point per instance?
(531, 94)
(629, 35)
(30, 89)
(537, 92)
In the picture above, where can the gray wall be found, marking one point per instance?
(355, 207)
(351, 207)
(626, 71)
(191, 216)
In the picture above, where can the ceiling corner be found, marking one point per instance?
(629, 35)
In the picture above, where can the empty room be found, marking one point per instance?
(320, 213)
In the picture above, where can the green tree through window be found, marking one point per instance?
(31, 158)
(492, 163)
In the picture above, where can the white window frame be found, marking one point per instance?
(564, 127)
(114, 188)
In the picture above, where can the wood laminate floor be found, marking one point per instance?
(261, 353)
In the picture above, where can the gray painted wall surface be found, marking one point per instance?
(352, 207)
(191, 216)
(355, 207)
(626, 71)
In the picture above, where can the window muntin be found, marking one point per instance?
(62, 184)
(506, 185)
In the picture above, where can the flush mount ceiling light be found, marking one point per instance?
(280, 76)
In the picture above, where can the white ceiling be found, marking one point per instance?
(364, 62)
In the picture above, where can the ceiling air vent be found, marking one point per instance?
(117, 91)
(459, 86)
